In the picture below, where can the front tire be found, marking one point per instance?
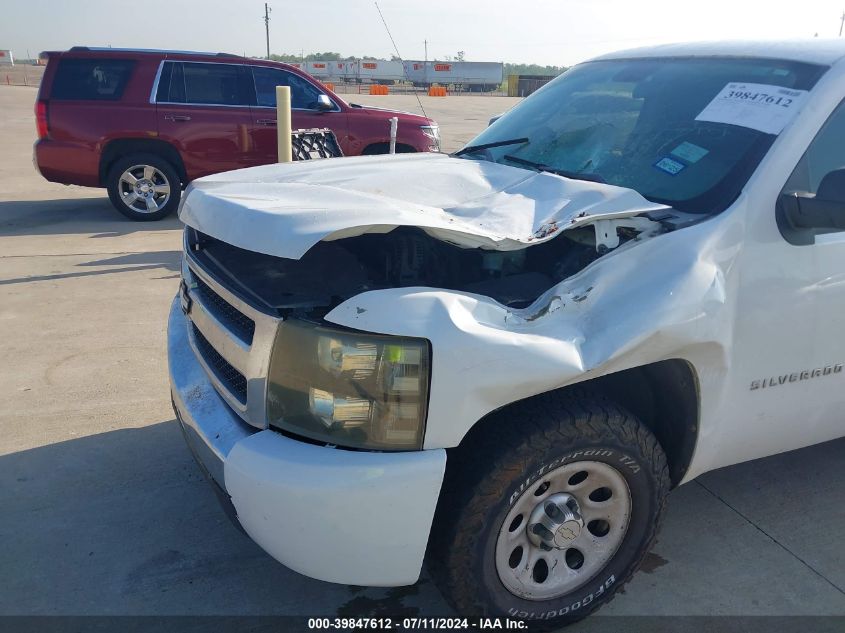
(143, 187)
(550, 511)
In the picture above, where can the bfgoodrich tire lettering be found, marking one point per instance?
(510, 459)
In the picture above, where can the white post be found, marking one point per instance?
(283, 123)
(394, 126)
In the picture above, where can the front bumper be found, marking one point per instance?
(352, 517)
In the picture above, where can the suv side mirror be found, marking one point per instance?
(823, 210)
(323, 104)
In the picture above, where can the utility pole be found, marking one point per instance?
(267, 10)
(841, 23)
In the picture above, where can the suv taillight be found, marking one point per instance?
(41, 124)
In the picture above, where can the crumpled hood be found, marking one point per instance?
(285, 209)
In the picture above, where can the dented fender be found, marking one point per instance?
(664, 297)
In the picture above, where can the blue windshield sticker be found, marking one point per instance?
(690, 152)
(670, 166)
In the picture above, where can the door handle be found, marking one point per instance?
(176, 117)
(266, 121)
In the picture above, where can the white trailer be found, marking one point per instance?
(6, 58)
(343, 70)
(365, 70)
(380, 71)
(327, 69)
(473, 76)
(318, 68)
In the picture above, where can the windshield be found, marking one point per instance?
(632, 123)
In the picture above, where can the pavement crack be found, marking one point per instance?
(773, 539)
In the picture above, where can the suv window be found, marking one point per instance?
(91, 79)
(303, 94)
(203, 84)
(171, 84)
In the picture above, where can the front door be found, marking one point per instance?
(304, 115)
(203, 109)
(789, 335)
(824, 249)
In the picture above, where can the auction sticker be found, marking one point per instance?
(756, 106)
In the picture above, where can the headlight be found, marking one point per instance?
(348, 388)
(432, 132)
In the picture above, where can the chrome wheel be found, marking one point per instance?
(563, 530)
(144, 189)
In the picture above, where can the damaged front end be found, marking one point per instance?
(400, 327)
(331, 272)
(366, 390)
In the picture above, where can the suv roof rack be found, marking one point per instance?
(150, 50)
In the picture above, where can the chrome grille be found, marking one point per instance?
(228, 375)
(231, 339)
(241, 325)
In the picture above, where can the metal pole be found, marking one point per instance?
(267, 27)
(394, 127)
(841, 23)
(283, 123)
(425, 65)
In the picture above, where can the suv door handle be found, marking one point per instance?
(176, 117)
(266, 121)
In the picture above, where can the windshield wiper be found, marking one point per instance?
(478, 148)
(575, 175)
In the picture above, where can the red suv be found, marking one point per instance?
(145, 123)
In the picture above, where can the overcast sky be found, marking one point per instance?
(558, 32)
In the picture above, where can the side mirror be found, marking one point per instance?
(324, 104)
(823, 210)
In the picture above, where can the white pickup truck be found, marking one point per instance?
(503, 359)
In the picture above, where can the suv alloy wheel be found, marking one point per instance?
(144, 187)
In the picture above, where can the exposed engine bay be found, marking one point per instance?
(334, 271)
